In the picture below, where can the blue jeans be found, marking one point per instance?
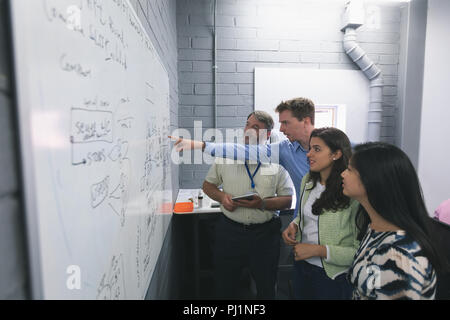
(312, 283)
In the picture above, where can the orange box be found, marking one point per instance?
(183, 207)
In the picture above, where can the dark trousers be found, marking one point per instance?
(312, 283)
(256, 247)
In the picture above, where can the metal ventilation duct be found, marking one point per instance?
(372, 72)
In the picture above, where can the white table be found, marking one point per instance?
(184, 195)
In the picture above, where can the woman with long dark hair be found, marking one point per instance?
(396, 258)
(324, 234)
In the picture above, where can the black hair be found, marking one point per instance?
(333, 197)
(393, 190)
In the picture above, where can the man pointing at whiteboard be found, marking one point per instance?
(296, 117)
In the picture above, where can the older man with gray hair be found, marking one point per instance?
(248, 232)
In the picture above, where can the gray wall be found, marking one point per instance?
(13, 275)
(434, 153)
(159, 19)
(244, 42)
(411, 70)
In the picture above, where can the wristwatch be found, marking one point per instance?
(263, 204)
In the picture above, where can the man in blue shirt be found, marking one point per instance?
(297, 122)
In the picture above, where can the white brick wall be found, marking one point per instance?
(276, 33)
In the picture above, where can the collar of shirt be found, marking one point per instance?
(297, 145)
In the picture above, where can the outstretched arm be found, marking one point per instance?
(265, 153)
(186, 144)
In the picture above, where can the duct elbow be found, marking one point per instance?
(377, 81)
(349, 46)
(373, 73)
(359, 56)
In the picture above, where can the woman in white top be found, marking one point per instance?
(324, 234)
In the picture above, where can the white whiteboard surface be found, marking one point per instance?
(347, 89)
(93, 99)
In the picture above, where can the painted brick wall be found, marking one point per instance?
(159, 19)
(271, 33)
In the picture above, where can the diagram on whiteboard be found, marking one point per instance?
(93, 100)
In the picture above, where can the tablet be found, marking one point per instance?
(248, 196)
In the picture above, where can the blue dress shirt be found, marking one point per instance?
(291, 156)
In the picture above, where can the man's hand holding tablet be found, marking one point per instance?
(250, 200)
(248, 196)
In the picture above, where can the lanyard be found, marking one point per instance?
(254, 173)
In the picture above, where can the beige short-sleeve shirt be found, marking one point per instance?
(271, 180)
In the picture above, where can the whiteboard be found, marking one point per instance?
(347, 90)
(93, 101)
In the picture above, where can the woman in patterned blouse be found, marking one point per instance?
(396, 258)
